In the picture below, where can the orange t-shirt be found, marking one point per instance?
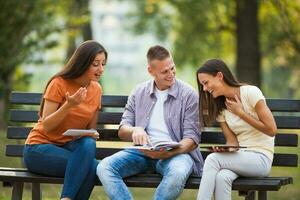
(78, 117)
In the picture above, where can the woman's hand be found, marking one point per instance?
(225, 149)
(93, 135)
(236, 107)
(76, 98)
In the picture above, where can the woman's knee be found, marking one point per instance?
(211, 160)
(226, 176)
(87, 144)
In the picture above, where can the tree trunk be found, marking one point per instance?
(71, 46)
(248, 52)
(2, 121)
(87, 31)
(79, 7)
(4, 101)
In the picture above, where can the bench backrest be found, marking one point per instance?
(25, 106)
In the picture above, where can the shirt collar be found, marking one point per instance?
(173, 90)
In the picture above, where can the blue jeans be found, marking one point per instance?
(113, 169)
(75, 161)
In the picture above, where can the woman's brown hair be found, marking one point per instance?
(77, 65)
(211, 107)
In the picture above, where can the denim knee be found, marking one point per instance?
(87, 145)
(178, 175)
(104, 168)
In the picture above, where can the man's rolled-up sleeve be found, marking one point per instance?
(128, 117)
(191, 126)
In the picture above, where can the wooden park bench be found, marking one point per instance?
(24, 113)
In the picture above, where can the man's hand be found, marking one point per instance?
(139, 136)
(157, 154)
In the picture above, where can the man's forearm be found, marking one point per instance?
(125, 132)
(187, 145)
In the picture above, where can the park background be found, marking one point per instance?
(258, 39)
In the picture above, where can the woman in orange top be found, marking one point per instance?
(71, 100)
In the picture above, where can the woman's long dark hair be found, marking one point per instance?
(77, 65)
(211, 107)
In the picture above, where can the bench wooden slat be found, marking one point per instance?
(114, 101)
(287, 160)
(26, 98)
(284, 105)
(15, 132)
(17, 151)
(287, 122)
(286, 139)
(261, 184)
(280, 159)
(109, 118)
(32, 117)
(208, 137)
(283, 122)
(281, 139)
(30, 98)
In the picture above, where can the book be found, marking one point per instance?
(226, 148)
(159, 146)
(80, 132)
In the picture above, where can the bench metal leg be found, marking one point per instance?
(7, 184)
(262, 195)
(17, 191)
(250, 195)
(36, 191)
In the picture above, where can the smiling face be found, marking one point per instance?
(212, 84)
(163, 72)
(96, 69)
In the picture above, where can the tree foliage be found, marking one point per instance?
(200, 29)
(27, 28)
(280, 39)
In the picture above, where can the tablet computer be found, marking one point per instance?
(79, 132)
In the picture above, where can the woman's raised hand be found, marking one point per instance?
(234, 106)
(76, 98)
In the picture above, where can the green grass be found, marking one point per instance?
(51, 191)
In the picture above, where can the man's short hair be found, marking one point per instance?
(157, 52)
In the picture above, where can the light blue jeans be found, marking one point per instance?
(113, 169)
(75, 161)
(221, 169)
